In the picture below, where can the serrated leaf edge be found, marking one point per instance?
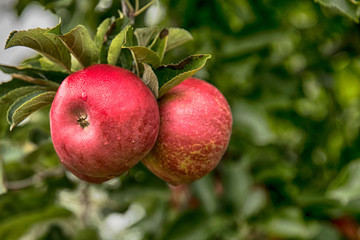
(159, 38)
(155, 65)
(330, 5)
(57, 61)
(207, 57)
(114, 43)
(10, 118)
(11, 35)
(153, 87)
(70, 48)
(30, 88)
(155, 32)
(179, 43)
(99, 36)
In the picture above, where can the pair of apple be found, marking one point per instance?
(104, 120)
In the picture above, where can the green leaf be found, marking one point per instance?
(2, 185)
(255, 200)
(56, 30)
(12, 95)
(101, 31)
(129, 37)
(145, 55)
(196, 225)
(160, 42)
(28, 104)
(34, 62)
(81, 45)
(10, 230)
(114, 29)
(346, 186)
(86, 234)
(21, 5)
(288, 223)
(43, 63)
(204, 189)
(150, 79)
(38, 81)
(45, 43)
(126, 59)
(291, 229)
(173, 74)
(345, 6)
(50, 75)
(116, 45)
(177, 37)
(237, 184)
(6, 87)
(144, 35)
(328, 231)
(141, 54)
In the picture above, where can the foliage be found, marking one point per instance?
(290, 71)
(115, 43)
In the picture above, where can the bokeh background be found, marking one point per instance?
(291, 73)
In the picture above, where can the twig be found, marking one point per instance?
(128, 10)
(136, 5)
(35, 179)
(50, 84)
(144, 8)
(129, 5)
(86, 203)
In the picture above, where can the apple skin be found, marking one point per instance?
(195, 129)
(103, 121)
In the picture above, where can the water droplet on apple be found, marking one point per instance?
(106, 143)
(83, 96)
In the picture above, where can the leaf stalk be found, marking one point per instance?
(52, 85)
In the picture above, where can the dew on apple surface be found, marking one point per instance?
(83, 96)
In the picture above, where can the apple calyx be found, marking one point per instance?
(116, 42)
(123, 130)
(82, 121)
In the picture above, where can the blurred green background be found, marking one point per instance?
(291, 73)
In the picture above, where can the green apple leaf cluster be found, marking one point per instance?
(116, 42)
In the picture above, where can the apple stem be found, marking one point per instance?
(82, 121)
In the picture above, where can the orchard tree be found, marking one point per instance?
(109, 133)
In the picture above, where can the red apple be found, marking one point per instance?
(103, 121)
(195, 129)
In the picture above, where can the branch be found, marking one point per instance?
(137, 13)
(355, 2)
(86, 204)
(35, 179)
